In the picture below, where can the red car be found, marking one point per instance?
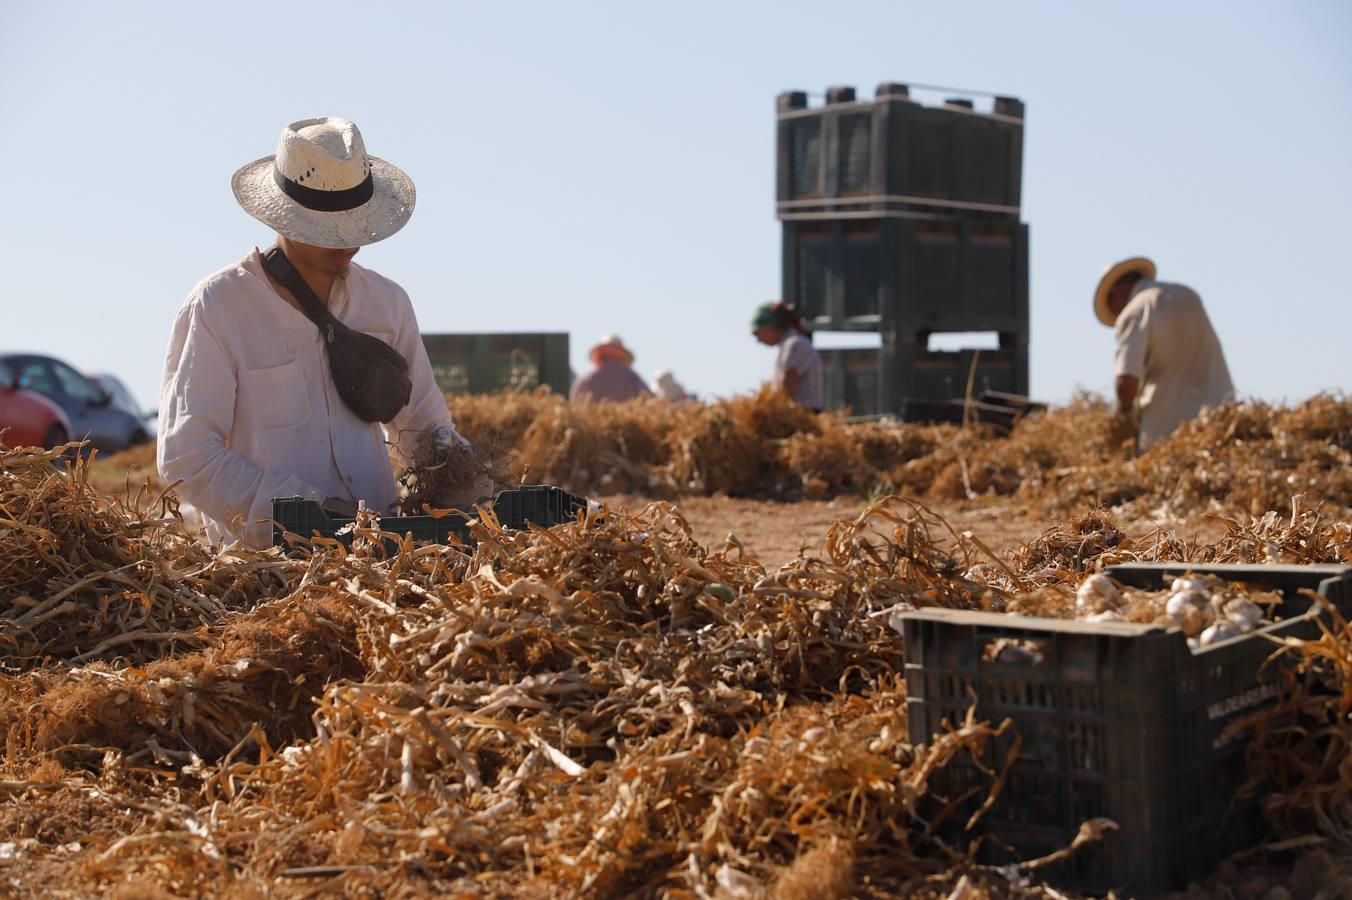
(28, 419)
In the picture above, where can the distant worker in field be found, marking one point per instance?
(612, 378)
(798, 367)
(289, 371)
(1168, 362)
(668, 388)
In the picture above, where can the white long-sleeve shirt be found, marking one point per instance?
(1165, 340)
(249, 412)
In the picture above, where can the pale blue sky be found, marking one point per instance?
(609, 167)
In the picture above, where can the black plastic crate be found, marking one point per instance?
(1116, 720)
(958, 412)
(893, 152)
(916, 384)
(541, 505)
(893, 271)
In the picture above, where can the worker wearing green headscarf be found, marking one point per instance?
(798, 367)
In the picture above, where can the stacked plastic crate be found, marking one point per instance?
(483, 363)
(902, 219)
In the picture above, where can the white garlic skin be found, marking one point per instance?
(1190, 611)
(1243, 614)
(1181, 601)
(1221, 631)
(1097, 594)
(1187, 583)
(1108, 615)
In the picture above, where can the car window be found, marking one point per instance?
(73, 384)
(39, 378)
(121, 396)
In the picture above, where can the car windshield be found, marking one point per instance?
(37, 377)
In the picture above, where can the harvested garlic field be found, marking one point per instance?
(694, 690)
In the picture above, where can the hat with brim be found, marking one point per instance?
(611, 347)
(1139, 264)
(321, 188)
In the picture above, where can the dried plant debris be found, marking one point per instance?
(601, 709)
(1238, 460)
(84, 577)
(607, 707)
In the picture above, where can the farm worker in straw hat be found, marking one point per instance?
(798, 367)
(1169, 362)
(274, 385)
(612, 378)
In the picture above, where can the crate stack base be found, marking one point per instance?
(903, 220)
(1114, 720)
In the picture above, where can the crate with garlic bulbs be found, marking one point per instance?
(1136, 710)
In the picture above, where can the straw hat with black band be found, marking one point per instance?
(1137, 264)
(321, 188)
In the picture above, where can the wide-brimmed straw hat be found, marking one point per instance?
(1139, 264)
(611, 346)
(321, 188)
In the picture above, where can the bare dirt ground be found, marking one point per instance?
(776, 533)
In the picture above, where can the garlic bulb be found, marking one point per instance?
(1243, 614)
(1097, 594)
(1108, 615)
(1187, 583)
(1221, 631)
(1191, 611)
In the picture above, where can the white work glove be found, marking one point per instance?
(448, 437)
(481, 491)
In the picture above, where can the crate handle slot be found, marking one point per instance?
(1009, 651)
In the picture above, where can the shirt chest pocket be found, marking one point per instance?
(275, 398)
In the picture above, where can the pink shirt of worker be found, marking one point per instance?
(611, 382)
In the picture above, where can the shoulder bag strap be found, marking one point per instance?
(285, 274)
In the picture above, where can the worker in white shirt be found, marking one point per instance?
(798, 366)
(274, 385)
(1168, 363)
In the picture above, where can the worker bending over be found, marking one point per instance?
(1169, 362)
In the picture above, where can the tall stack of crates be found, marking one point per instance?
(903, 220)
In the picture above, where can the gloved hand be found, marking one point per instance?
(448, 437)
(478, 491)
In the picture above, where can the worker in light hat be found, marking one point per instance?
(1168, 364)
(295, 371)
(612, 378)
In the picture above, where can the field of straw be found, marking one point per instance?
(612, 707)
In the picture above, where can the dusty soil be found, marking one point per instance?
(776, 533)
